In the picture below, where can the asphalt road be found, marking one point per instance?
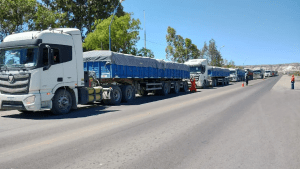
(256, 126)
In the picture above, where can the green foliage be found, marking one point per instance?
(82, 14)
(204, 51)
(45, 17)
(214, 56)
(124, 35)
(15, 15)
(22, 15)
(145, 53)
(179, 49)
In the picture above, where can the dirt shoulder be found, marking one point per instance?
(284, 83)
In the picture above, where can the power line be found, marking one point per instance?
(154, 42)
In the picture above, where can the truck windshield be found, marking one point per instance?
(18, 57)
(268, 71)
(198, 69)
(232, 72)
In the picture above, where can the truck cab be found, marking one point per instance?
(41, 70)
(258, 73)
(198, 70)
(234, 75)
(268, 73)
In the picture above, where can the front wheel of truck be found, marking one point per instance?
(185, 87)
(62, 102)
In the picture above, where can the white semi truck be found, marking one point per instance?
(207, 75)
(268, 73)
(258, 73)
(237, 74)
(44, 70)
(198, 70)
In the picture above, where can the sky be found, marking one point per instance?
(253, 32)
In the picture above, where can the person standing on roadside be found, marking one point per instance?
(292, 82)
(247, 80)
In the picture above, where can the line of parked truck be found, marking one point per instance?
(47, 70)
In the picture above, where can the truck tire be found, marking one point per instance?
(127, 93)
(203, 84)
(176, 87)
(165, 89)
(115, 95)
(169, 87)
(133, 92)
(62, 102)
(185, 87)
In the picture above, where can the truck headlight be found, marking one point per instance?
(29, 100)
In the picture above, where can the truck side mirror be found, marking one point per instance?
(50, 56)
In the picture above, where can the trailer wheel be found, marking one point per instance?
(165, 89)
(127, 93)
(169, 87)
(62, 102)
(176, 87)
(115, 95)
(185, 87)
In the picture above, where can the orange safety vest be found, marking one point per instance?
(293, 78)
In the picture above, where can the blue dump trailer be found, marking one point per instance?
(218, 75)
(125, 75)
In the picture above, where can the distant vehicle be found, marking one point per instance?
(249, 73)
(258, 74)
(268, 73)
(198, 70)
(207, 75)
(218, 75)
(237, 74)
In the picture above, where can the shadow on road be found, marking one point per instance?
(93, 110)
(97, 108)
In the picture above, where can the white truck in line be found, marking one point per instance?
(44, 70)
(237, 74)
(206, 75)
(258, 73)
(268, 73)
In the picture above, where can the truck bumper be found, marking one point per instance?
(233, 79)
(30, 102)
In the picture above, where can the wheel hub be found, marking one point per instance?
(63, 102)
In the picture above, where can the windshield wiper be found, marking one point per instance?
(18, 65)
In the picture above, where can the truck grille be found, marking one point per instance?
(196, 77)
(12, 105)
(14, 84)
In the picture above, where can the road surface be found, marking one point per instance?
(256, 126)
